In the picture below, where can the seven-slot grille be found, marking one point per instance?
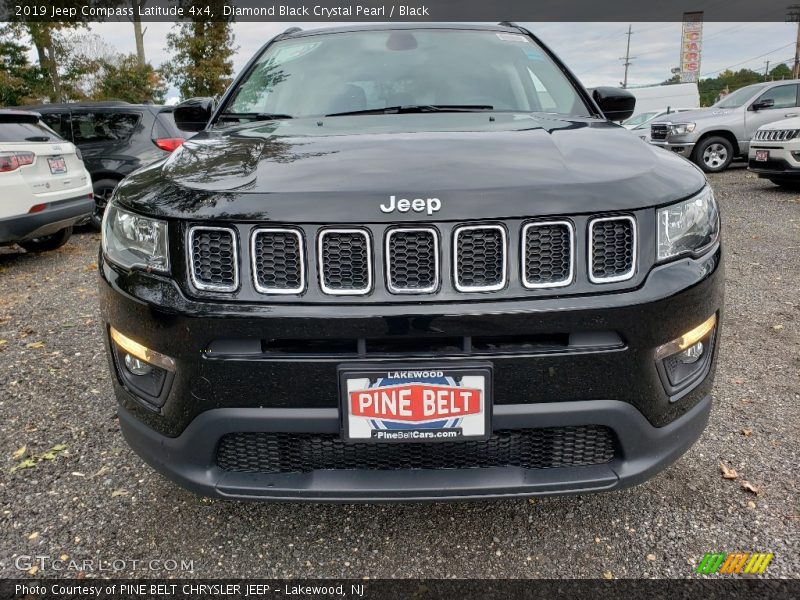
(213, 257)
(612, 251)
(412, 260)
(345, 259)
(480, 257)
(278, 261)
(412, 255)
(776, 135)
(547, 254)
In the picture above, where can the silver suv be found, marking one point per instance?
(712, 137)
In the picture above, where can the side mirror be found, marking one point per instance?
(616, 104)
(193, 114)
(762, 104)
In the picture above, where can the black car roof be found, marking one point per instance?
(106, 104)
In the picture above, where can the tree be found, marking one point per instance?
(780, 72)
(201, 51)
(20, 82)
(125, 79)
(138, 32)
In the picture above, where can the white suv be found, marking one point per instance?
(43, 183)
(775, 152)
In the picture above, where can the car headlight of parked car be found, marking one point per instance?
(135, 242)
(681, 128)
(688, 227)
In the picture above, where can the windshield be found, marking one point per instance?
(737, 98)
(370, 70)
(639, 119)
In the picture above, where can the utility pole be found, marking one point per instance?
(766, 70)
(628, 57)
(794, 15)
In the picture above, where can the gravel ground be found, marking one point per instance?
(89, 497)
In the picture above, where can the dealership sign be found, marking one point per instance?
(691, 46)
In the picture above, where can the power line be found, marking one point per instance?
(749, 60)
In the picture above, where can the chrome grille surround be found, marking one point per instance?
(334, 291)
(461, 230)
(190, 242)
(524, 254)
(301, 260)
(776, 135)
(391, 265)
(634, 251)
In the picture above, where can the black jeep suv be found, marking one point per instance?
(115, 138)
(411, 262)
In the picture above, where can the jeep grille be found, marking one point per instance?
(547, 255)
(278, 261)
(776, 135)
(480, 255)
(412, 260)
(213, 258)
(613, 249)
(346, 262)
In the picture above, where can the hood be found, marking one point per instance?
(792, 123)
(342, 169)
(691, 116)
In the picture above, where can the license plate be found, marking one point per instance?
(416, 404)
(762, 155)
(57, 165)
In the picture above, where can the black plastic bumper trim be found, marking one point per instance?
(643, 450)
(56, 216)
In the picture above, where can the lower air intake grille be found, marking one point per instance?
(480, 258)
(213, 259)
(527, 448)
(278, 261)
(547, 254)
(613, 249)
(344, 256)
(412, 260)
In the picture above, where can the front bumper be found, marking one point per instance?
(615, 386)
(781, 164)
(683, 148)
(56, 216)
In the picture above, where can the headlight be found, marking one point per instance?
(133, 241)
(681, 128)
(688, 226)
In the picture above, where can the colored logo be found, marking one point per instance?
(734, 563)
(438, 403)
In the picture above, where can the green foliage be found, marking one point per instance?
(731, 81)
(201, 53)
(20, 82)
(126, 80)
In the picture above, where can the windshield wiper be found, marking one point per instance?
(416, 108)
(254, 116)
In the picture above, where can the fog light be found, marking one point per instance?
(688, 339)
(691, 355)
(145, 373)
(137, 366)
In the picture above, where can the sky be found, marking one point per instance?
(592, 50)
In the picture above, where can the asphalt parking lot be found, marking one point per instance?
(83, 495)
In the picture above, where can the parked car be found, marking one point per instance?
(116, 138)
(44, 185)
(775, 152)
(713, 137)
(411, 262)
(640, 123)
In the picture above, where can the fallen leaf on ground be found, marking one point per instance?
(747, 432)
(28, 463)
(116, 493)
(19, 453)
(751, 505)
(738, 381)
(34, 535)
(727, 472)
(33, 570)
(651, 557)
(751, 487)
(35, 345)
(608, 575)
(777, 327)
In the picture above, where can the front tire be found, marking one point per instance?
(47, 242)
(713, 154)
(102, 194)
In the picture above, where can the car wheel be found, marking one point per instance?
(713, 154)
(47, 242)
(103, 189)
